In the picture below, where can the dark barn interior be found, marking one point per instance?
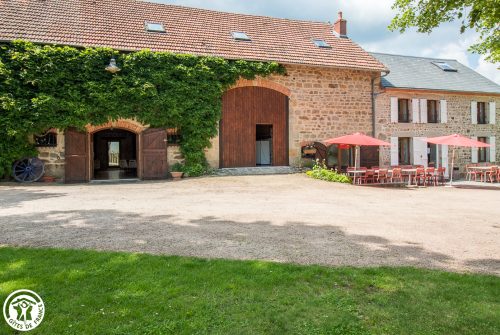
(115, 154)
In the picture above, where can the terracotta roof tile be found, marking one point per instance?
(119, 24)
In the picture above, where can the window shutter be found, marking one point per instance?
(415, 111)
(419, 151)
(493, 151)
(423, 110)
(394, 109)
(474, 152)
(444, 159)
(394, 151)
(473, 111)
(493, 112)
(444, 111)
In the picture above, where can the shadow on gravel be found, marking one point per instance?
(15, 198)
(212, 237)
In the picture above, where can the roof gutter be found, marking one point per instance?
(438, 91)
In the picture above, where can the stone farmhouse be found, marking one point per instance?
(426, 97)
(333, 87)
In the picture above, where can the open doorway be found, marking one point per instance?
(264, 144)
(115, 154)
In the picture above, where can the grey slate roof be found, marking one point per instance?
(420, 73)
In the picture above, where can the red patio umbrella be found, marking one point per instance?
(357, 139)
(456, 140)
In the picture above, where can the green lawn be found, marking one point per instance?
(89, 292)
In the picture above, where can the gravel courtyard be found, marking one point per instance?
(285, 218)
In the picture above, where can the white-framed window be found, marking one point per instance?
(483, 112)
(482, 153)
(433, 111)
(405, 110)
(482, 115)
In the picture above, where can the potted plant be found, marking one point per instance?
(176, 171)
(309, 150)
(48, 179)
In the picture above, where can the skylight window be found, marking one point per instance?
(445, 66)
(321, 44)
(240, 36)
(154, 27)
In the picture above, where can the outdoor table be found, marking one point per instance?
(355, 173)
(389, 172)
(409, 172)
(482, 169)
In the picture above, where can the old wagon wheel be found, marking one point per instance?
(321, 151)
(28, 170)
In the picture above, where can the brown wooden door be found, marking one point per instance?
(76, 157)
(154, 154)
(242, 110)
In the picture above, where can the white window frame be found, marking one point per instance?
(443, 106)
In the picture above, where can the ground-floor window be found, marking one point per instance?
(482, 153)
(340, 157)
(173, 136)
(432, 155)
(404, 146)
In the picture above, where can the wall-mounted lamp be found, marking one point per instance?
(112, 68)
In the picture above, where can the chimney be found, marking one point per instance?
(340, 26)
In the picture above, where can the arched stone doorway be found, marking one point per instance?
(115, 150)
(141, 152)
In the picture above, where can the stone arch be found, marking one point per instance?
(125, 124)
(261, 82)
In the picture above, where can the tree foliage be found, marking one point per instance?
(45, 87)
(480, 15)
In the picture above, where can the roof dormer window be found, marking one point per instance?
(445, 66)
(154, 27)
(240, 36)
(322, 44)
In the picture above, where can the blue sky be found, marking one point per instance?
(367, 26)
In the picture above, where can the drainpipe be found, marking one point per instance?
(374, 95)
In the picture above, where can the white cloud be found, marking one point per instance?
(489, 70)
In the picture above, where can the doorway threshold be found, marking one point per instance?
(114, 181)
(256, 170)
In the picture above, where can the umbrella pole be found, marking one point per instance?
(452, 165)
(356, 155)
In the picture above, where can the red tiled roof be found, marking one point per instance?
(119, 24)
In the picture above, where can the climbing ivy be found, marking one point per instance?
(46, 86)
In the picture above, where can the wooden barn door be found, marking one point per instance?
(154, 154)
(76, 157)
(243, 109)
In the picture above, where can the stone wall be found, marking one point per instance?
(459, 121)
(324, 103)
(212, 153)
(174, 155)
(53, 157)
